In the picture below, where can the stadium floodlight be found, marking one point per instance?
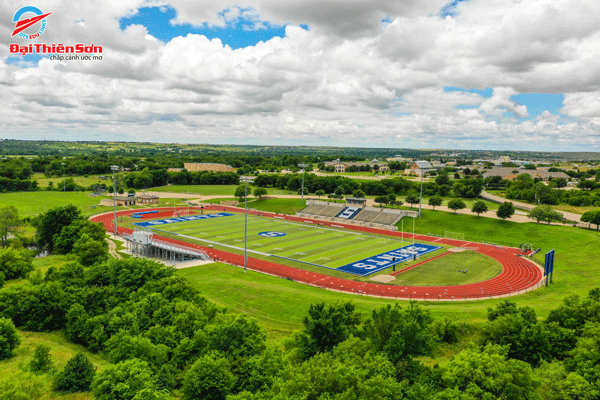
(421, 195)
(246, 179)
(63, 175)
(114, 169)
(303, 166)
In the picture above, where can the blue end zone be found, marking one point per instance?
(181, 219)
(376, 263)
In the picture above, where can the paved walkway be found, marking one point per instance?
(524, 206)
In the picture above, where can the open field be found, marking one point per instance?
(32, 203)
(79, 180)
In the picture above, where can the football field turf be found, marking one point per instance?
(317, 245)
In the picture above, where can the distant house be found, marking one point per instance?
(122, 201)
(343, 166)
(147, 199)
(419, 168)
(511, 173)
(191, 167)
(503, 159)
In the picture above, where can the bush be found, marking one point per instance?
(123, 381)
(9, 339)
(77, 376)
(209, 379)
(15, 263)
(42, 360)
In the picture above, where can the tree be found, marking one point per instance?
(123, 381)
(412, 198)
(358, 193)
(209, 378)
(9, 223)
(64, 241)
(592, 217)
(260, 192)
(381, 200)
(42, 360)
(9, 339)
(90, 251)
(52, 222)
(326, 326)
(435, 201)
(456, 204)
(506, 210)
(320, 193)
(545, 213)
(240, 192)
(15, 263)
(479, 207)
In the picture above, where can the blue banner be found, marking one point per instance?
(376, 263)
(181, 219)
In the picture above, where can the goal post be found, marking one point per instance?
(454, 235)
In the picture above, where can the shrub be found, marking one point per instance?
(209, 379)
(77, 376)
(9, 339)
(42, 360)
(123, 381)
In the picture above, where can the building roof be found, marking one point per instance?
(424, 164)
(147, 196)
(506, 171)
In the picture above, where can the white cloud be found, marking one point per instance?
(348, 80)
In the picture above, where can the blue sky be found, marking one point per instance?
(237, 34)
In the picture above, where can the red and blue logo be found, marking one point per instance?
(22, 24)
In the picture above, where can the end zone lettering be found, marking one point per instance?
(40, 48)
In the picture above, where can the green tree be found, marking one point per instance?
(592, 217)
(236, 337)
(77, 376)
(412, 198)
(489, 374)
(240, 192)
(505, 210)
(90, 251)
(435, 201)
(15, 263)
(260, 192)
(320, 193)
(456, 204)
(325, 326)
(123, 381)
(64, 241)
(42, 360)
(358, 193)
(9, 339)
(381, 200)
(479, 207)
(52, 222)
(209, 378)
(545, 213)
(9, 223)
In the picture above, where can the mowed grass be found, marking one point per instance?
(43, 181)
(30, 204)
(446, 271)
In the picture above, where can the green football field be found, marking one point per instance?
(323, 246)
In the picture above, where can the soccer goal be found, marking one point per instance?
(454, 235)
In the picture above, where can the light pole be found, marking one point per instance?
(246, 179)
(421, 195)
(114, 169)
(303, 166)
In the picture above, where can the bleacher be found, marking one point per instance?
(367, 215)
(314, 209)
(332, 210)
(387, 218)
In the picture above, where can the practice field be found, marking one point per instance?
(347, 251)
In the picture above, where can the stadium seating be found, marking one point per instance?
(314, 209)
(386, 218)
(367, 215)
(332, 210)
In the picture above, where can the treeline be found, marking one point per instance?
(443, 186)
(151, 178)
(527, 189)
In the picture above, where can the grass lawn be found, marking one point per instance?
(14, 369)
(446, 270)
(32, 203)
(209, 190)
(79, 180)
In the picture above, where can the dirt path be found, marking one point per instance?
(112, 247)
(518, 204)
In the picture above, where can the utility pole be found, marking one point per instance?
(63, 175)
(246, 179)
(421, 195)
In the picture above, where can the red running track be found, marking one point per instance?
(518, 274)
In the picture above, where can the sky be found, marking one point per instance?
(470, 74)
